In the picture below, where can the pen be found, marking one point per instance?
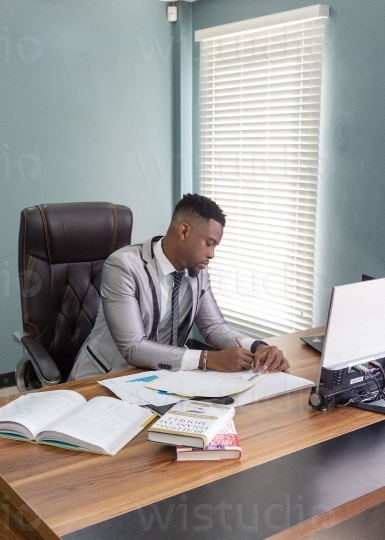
(254, 377)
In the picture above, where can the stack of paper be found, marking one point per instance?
(162, 388)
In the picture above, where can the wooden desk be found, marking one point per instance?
(48, 492)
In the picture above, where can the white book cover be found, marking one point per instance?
(190, 423)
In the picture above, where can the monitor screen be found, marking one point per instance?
(356, 324)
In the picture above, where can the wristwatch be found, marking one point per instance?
(255, 344)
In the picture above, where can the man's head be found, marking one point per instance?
(199, 206)
(196, 229)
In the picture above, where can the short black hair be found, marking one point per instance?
(201, 206)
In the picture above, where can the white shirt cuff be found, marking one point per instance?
(247, 343)
(191, 357)
(190, 360)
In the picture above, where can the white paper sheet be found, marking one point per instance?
(205, 384)
(272, 385)
(131, 388)
(134, 389)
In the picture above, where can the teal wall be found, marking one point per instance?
(99, 101)
(351, 230)
(85, 114)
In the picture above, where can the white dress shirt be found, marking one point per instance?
(191, 357)
(165, 269)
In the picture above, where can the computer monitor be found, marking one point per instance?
(355, 336)
(317, 342)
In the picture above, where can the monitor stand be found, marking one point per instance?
(375, 406)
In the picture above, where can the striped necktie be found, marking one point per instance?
(175, 307)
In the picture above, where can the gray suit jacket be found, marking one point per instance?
(125, 331)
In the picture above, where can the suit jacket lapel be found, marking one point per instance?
(194, 284)
(152, 272)
(148, 257)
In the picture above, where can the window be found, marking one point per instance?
(260, 96)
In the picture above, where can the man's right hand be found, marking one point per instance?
(229, 360)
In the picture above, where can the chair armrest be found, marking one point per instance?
(18, 335)
(46, 369)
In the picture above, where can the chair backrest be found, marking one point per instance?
(62, 248)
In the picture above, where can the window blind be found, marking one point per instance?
(260, 96)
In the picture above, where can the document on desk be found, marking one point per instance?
(274, 384)
(131, 388)
(161, 387)
(206, 383)
(244, 387)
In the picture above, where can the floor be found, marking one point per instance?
(8, 391)
(368, 525)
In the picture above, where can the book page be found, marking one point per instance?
(36, 411)
(102, 423)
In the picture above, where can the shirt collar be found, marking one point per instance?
(164, 264)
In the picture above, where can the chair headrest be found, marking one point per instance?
(75, 232)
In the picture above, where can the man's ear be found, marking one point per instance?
(184, 231)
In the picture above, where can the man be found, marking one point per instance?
(152, 293)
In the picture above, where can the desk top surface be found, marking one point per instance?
(68, 490)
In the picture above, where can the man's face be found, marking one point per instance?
(199, 242)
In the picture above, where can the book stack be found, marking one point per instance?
(198, 430)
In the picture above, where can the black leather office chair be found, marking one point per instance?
(62, 248)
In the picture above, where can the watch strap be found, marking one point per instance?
(255, 344)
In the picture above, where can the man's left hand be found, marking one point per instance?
(271, 358)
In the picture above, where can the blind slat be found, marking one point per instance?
(260, 106)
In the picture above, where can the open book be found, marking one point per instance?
(64, 418)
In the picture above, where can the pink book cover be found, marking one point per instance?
(225, 445)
